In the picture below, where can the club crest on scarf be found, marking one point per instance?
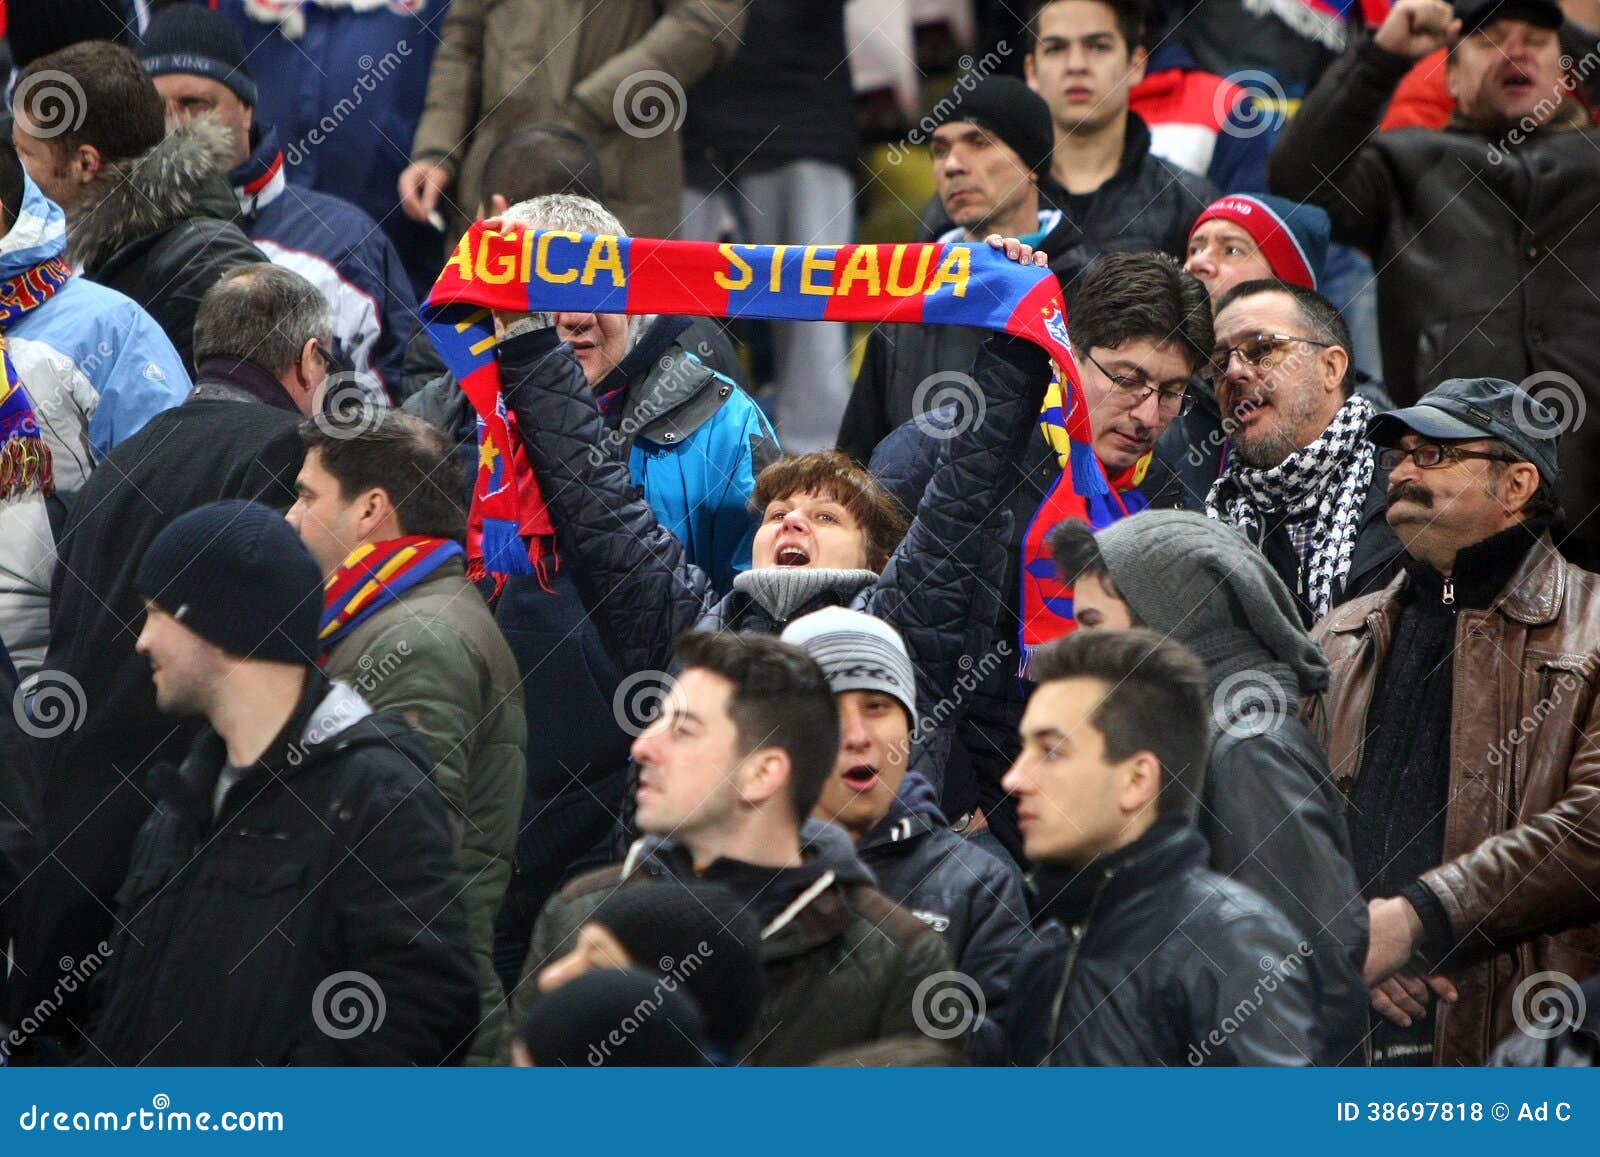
(519, 270)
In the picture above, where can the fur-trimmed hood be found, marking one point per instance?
(182, 176)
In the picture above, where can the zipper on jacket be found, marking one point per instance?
(1077, 932)
(1448, 597)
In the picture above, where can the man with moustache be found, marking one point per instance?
(1458, 721)
(1300, 479)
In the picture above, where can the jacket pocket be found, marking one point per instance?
(1556, 695)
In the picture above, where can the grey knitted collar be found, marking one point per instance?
(782, 590)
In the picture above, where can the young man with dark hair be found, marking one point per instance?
(148, 214)
(1140, 329)
(1113, 760)
(300, 841)
(1269, 809)
(1084, 58)
(729, 771)
(1301, 477)
(380, 509)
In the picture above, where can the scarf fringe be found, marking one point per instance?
(25, 468)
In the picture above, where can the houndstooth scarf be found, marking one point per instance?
(1326, 481)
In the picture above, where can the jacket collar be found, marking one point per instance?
(900, 825)
(234, 377)
(1173, 845)
(38, 234)
(259, 180)
(1532, 597)
(176, 179)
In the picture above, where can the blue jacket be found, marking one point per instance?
(87, 342)
(339, 249)
(345, 89)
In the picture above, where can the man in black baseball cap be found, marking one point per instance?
(1456, 697)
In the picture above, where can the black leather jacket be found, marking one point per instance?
(1147, 957)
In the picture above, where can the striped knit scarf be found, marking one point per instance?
(375, 575)
(24, 454)
(522, 271)
(1046, 600)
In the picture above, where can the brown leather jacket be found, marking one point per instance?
(1520, 880)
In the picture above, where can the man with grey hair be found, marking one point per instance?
(260, 333)
(694, 442)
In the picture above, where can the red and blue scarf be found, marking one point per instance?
(522, 270)
(1047, 612)
(375, 575)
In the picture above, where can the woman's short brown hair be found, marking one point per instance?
(832, 473)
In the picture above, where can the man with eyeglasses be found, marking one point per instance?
(1140, 328)
(1459, 721)
(1300, 478)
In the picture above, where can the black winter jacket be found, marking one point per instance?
(1275, 822)
(1487, 250)
(939, 589)
(966, 895)
(218, 444)
(327, 877)
(1147, 957)
(843, 962)
(163, 232)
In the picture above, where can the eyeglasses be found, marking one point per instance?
(1431, 454)
(1134, 391)
(1260, 350)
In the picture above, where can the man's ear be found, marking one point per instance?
(1517, 486)
(87, 163)
(1137, 60)
(1140, 781)
(764, 774)
(1337, 362)
(497, 205)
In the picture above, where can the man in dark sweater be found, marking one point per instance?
(1457, 722)
(261, 336)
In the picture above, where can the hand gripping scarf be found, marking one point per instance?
(524, 270)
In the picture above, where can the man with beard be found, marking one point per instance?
(1458, 721)
(1301, 479)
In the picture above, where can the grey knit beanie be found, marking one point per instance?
(1202, 583)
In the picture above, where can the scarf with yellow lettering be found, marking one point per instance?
(375, 575)
(1046, 600)
(523, 271)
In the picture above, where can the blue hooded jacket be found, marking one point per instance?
(94, 345)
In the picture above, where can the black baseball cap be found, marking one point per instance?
(1474, 14)
(1464, 408)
